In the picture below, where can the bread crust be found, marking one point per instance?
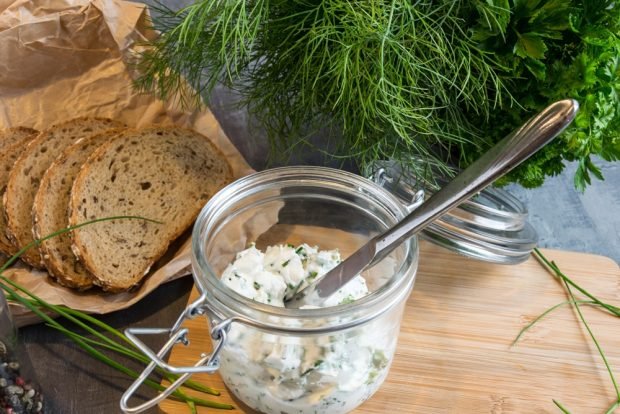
(8, 155)
(32, 163)
(50, 212)
(168, 151)
(19, 134)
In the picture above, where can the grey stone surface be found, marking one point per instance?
(569, 220)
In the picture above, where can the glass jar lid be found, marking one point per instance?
(491, 226)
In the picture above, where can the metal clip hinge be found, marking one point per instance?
(207, 363)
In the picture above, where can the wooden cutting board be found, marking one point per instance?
(454, 353)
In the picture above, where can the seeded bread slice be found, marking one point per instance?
(164, 174)
(27, 172)
(11, 136)
(51, 205)
(12, 145)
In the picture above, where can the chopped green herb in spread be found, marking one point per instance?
(323, 374)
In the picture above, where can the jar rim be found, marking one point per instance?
(224, 298)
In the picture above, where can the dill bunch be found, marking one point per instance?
(388, 79)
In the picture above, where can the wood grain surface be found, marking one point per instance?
(454, 353)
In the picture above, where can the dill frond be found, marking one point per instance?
(388, 79)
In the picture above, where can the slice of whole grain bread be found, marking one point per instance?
(164, 174)
(51, 205)
(27, 172)
(11, 136)
(12, 143)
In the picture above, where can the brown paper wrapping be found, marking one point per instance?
(60, 59)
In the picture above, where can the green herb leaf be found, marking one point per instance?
(597, 36)
(561, 407)
(536, 68)
(494, 17)
(348, 299)
(530, 45)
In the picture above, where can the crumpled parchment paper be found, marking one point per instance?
(61, 59)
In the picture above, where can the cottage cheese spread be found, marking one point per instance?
(305, 374)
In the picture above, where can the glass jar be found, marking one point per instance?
(279, 360)
(326, 360)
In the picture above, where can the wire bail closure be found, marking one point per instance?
(207, 363)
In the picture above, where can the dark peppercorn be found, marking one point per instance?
(17, 395)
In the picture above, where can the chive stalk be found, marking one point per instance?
(569, 285)
(39, 307)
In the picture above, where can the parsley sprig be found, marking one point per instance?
(558, 49)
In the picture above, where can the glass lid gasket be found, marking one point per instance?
(526, 238)
(447, 232)
(493, 254)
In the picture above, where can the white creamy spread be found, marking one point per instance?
(306, 374)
